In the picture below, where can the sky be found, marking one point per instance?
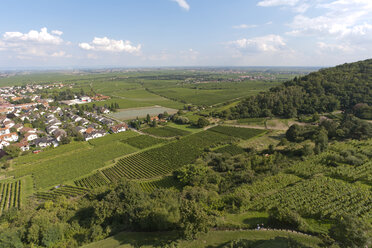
(156, 33)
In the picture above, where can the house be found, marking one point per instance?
(59, 133)
(3, 144)
(9, 123)
(4, 130)
(76, 118)
(23, 145)
(27, 130)
(81, 129)
(95, 134)
(122, 127)
(30, 136)
(10, 137)
(51, 129)
(45, 141)
(85, 99)
(18, 127)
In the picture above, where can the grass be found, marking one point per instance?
(143, 141)
(166, 131)
(263, 141)
(252, 121)
(246, 220)
(213, 239)
(186, 127)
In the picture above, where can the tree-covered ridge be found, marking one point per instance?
(340, 87)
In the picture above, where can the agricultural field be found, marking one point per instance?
(333, 197)
(62, 167)
(242, 133)
(94, 181)
(346, 161)
(166, 182)
(208, 94)
(143, 141)
(230, 149)
(166, 131)
(133, 113)
(252, 121)
(66, 191)
(163, 160)
(10, 195)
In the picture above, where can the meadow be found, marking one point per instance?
(263, 239)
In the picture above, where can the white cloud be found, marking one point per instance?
(110, 45)
(244, 26)
(57, 32)
(33, 36)
(61, 54)
(334, 47)
(33, 44)
(268, 43)
(272, 3)
(183, 4)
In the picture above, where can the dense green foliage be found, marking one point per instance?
(340, 87)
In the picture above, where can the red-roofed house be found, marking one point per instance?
(122, 127)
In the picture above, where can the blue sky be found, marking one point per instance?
(135, 33)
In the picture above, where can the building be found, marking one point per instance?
(122, 127)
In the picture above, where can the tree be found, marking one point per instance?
(12, 151)
(321, 141)
(65, 140)
(194, 219)
(202, 122)
(148, 119)
(350, 231)
(10, 239)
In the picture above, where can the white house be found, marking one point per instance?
(30, 136)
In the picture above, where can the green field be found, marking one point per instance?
(166, 131)
(133, 113)
(262, 239)
(67, 162)
(143, 141)
(212, 93)
(243, 133)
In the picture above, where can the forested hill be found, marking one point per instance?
(341, 87)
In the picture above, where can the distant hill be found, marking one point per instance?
(337, 88)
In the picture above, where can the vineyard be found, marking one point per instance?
(320, 197)
(94, 181)
(243, 133)
(166, 182)
(349, 162)
(163, 160)
(67, 191)
(10, 195)
(166, 131)
(230, 149)
(143, 141)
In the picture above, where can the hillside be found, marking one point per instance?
(338, 88)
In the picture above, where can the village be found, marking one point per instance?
(30, 122)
